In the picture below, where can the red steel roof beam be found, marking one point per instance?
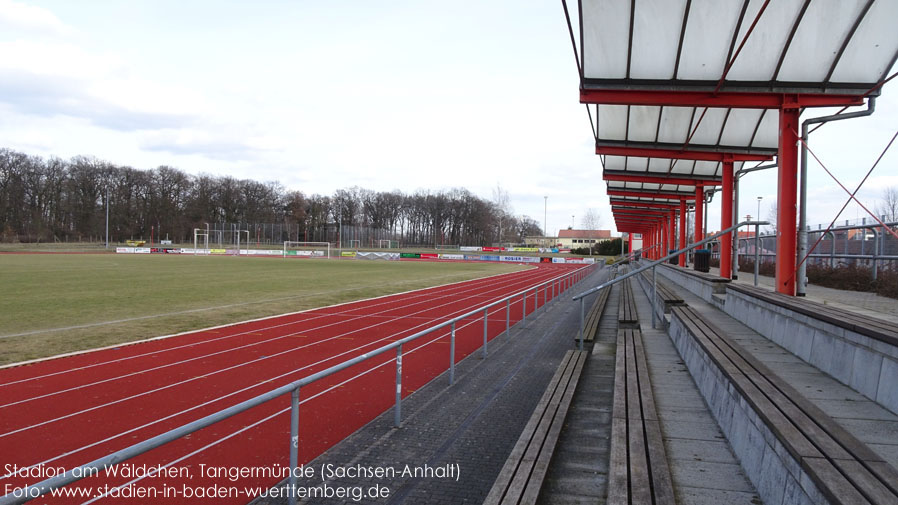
(675, 154)
(725, 99)
(650, 179)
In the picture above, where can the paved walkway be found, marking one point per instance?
(861, 302)
(579, 469)
(703, 467)
(473, 424)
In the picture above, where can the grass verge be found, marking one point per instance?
(55, 304)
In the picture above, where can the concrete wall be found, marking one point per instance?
(696, 285)
(777, 476)
(867, 365)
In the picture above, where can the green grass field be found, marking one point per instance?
(59, 303)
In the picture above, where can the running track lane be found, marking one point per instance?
(64, 412)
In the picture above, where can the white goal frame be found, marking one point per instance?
(355, 244)
(326, 245)
(197, 233)
(380, 244)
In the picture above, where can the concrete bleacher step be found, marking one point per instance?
(808, 407)
(703, 467)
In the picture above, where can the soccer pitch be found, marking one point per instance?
(59, 303)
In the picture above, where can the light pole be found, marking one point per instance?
(759, 207)
(572, 221)
(545, 216)
(107, 216)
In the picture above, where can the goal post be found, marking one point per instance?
(355, 244)
(294, 249)
(387, 244)
(197, 233)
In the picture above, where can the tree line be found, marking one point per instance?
(57, 200)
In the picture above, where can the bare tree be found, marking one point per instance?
(887, 208)
(591, 220)
(771, 217)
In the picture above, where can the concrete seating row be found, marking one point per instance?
(626, 310)
(791, 450)
(638, 470)
(857, 349)
(522, 477)
(594, 316)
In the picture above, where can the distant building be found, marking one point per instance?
(546, 242)
(572, 239)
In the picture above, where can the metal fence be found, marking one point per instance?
(222, 234)
(863, 245)
(550, 290)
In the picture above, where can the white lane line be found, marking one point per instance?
(438, 337)
(360, 316)
(96, 407)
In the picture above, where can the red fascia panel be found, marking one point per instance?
(742, 100)
(659, 180)
(679, 155)
(634, 210)
(647, 205)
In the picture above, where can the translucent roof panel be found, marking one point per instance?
(796, 46)
(718, 129)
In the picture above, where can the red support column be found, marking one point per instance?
(699, 212)
(786, 196)
(682, 231)
(630, 244)
(726, 220)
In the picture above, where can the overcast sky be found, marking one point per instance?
(324, 95)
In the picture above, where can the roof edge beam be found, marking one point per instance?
(670, 151)
(744, 100)
(617, 176)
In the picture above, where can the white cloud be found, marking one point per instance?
(17, 15)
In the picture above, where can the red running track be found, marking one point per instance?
(61, 413)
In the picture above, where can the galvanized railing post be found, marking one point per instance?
(397, 414)
(452, 355)
(654, 292)
(758, 252)
(508, 319)
(581, 323)
(524, 310)
(486, 313)
(294, 446)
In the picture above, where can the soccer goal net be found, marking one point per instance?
(355, 244)
(387, 244)
(307, 249)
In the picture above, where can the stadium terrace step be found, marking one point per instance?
(591, 325)
(638, 468)
(701, 284)
(665, 296)
(792, 450)
(858, 350)
(521, 478)
(627, 316)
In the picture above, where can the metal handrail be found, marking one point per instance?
(652, 265)
(30, 492)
